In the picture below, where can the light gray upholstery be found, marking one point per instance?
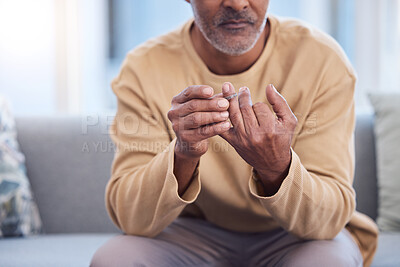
(388, 250)
(68, 162)
(67, 250)
(67, 173)
(365, 182)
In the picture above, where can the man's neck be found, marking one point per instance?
(223, 64)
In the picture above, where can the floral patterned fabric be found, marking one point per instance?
(19, 215)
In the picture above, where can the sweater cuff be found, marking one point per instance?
(287, 183)
(193, 189)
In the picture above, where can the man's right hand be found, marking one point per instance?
(197, 115)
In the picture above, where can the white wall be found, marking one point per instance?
(377, 49)
(53, 55)
(27, 55)
(81, 33)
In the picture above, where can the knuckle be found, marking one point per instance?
(258, 139)
(184, 137)
(191, 106)
(258, 105)
(215, 129)
(174, 100)
(235, 116)
(175, 127)
(205, 131)
(260, 108)
(261, 112)
(195, 119)
(170, 114)
(186, 92)
(246, 108)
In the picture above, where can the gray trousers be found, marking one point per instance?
(195, 242)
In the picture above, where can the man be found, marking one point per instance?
(259, 184)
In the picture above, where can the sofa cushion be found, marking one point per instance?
(19, 215)
(365, 182)
(51, 250)
(387, 254)
(387, 132)
(68, 161)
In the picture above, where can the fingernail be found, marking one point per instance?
(242, 89)
(207, 91)
(273, 87)
(223, 103)
(225, 88)
(226, 124)
(224, 114)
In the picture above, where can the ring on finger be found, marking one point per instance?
(231, 96)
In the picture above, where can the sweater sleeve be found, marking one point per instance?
(316, 199)
(142, 193)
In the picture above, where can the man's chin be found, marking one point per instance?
(233, 51)
(241, 35)
(236, 45)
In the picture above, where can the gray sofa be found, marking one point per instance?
(68, 162)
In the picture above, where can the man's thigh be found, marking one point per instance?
(279, 248)
(186, 242)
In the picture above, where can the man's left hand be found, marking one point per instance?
(260, 137)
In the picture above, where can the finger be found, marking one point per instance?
(234, 111)
(279, 104)
(219, 95)
(202, 105)
(194, 92)
(199, 119)
(207, 131)
(264, 115)
(229, 136)
(246, 108)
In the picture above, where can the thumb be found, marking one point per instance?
(278, 103)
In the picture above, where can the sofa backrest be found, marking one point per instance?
(68, 163)
(365, 180)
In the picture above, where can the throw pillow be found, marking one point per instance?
(19, 215)
(387, 135)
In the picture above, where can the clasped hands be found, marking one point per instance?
(260, 136)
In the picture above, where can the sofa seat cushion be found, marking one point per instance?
(51, 250)
(388, 254)
(78, 249)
